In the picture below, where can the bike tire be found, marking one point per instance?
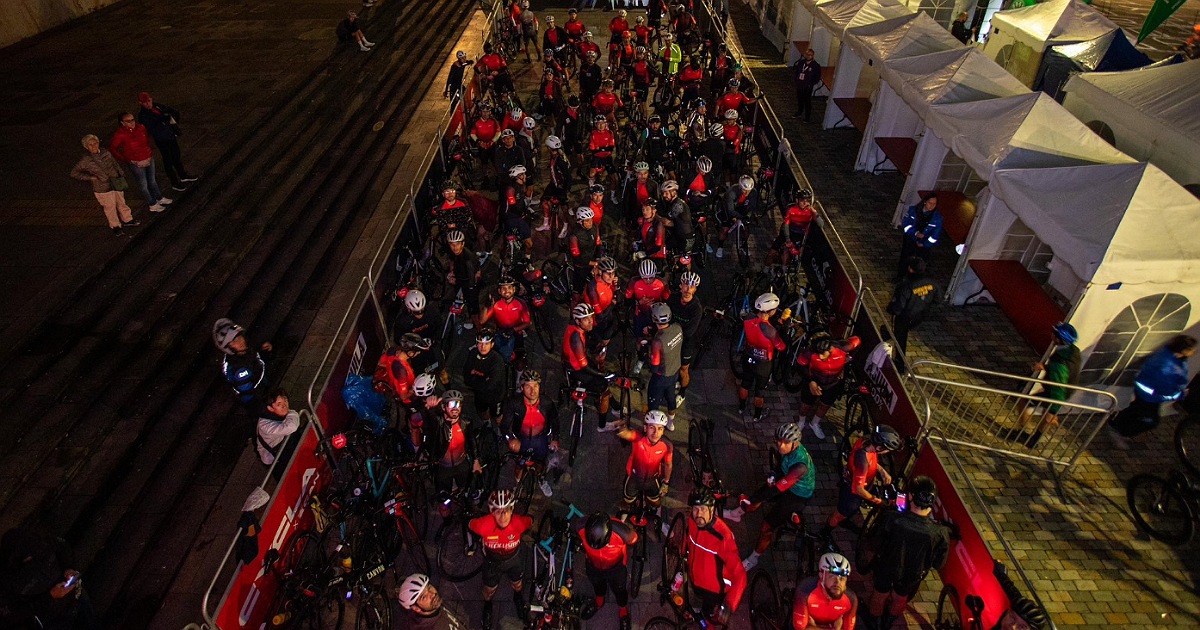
(374, 612)
(540, 327)
(766, 613)
(637, 566)
(576, 435)
(794, 376)
(304, 552)
(660, 623)
(418, 503)
(673, 560)
(948, 617)
(541, 574)
(1160, 509)
(856, 423)
(1187, 443)
(806, 557)
(454, 543)
(414, 543)
(696, 448)
(525, 489)
(737, 361)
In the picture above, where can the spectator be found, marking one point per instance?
(108, 184)
(348, 30)
(961, 31)
(131, 144)
(275, 423)
(911, 300)
(163, 124)
(922, 226)
(808, 74)
(1163, 378)
(1062, 367)
(424, 608)
(244, 370)
(38, 588)
(454, 81)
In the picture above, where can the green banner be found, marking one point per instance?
(1159, 12)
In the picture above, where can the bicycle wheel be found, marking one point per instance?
(697, 443)
(576, 435)
(673, 560)
(765, 611)
(637, 565)
(855, 424)
(415, 544)
(737, 360)
(948, 617)
(1187, 443)
(660, 623)
(545, 337)
(806, 557)
(524, 490)
(541, 570)
(417, 504)
(1160, 509)
(374, 612)
(304, 552)
(458, 556)
(794, 377)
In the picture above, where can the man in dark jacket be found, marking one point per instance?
(922, 227)
(912, 298)
(960, 30)
(245, 370)
(450, 443)
(807, 73)
(162, 122)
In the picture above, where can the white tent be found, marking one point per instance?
(1153, 114)
(1019, 37)
(822, 27)
(849, 79)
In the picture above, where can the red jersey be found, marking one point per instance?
(586, 47)
(498, 543)
(732, 133)
(713, 561)
(394, 374)
(617, 26)
(575, 28)
(641, 73)
(610, 555)
(649, 461)
(699, 184)
(456, 449)
(574, 348)
(653, 237)
(647, 292)
(690, 75)
(813, 604)
(486, 129)
(597, 211)
(534, 422)
(826, 369)
(642, 192)
(601, 143)
(509, 123)
(493, 62)
(798, 218)
(861, 467)
(730, 100)
(761, 339)
(508, 314)
(598, 295)
(641, 34)
(604, 103)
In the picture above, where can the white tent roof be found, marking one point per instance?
(836, 14)
(1053, 22)
(905, 36)
(959, 75)
(1110, 223)
(1025, 131)
(839, 15)
(1169, 95)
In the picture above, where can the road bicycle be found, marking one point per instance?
(1187, 443)
(673, 587)
(459, 552)
(1165, 509)
(557, 276)
(301, 569)
(702, 462)
(644, 516)
(552, 561)
(529, 474)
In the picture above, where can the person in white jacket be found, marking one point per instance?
(276, 422)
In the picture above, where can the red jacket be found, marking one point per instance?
(130, 145)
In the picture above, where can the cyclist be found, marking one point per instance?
(859, 475)
(740, 202)
(644, 292)
(555, 40)
(714, 146)
(910, 544)
(588, 49)
(826, 363)
(453, 213)
(731, 136)
(690, 76)
(511, 317)
(574, 27)
(509, 155)
(462, 272)
(626, 53)
(531, 423)
(394, 375)
(485, 133)
(655, 141)
(678, 217)
(579, 371)
(606, 102)
(417, 317)
(652, 234)
(733, 99)
(688, 312)
(584, 247)
(606, 544)
(426, 610)
(700, 193)
(425, 406)
(616, 31)
(715, 570)
(559, 169)
(601, 145)
(493, 66)
(450, 441)
(1061, 367)
(762, 341)
(599, 293)
(529, 31)
(641, 189)
(244, 370)
(823, 601)
(641, 32)
(669, 56)
(787, 491)
(483, 374)
(797, 219)
(590, 75)
(664, 356)
(650, 462)
(502, 534)
(599, 204)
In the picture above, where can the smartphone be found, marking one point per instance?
(902, 502)
(71, 581)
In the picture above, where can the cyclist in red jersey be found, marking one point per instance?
(861, 470)
(601, 145)
(531, 423)
(733, 98)
(450, 442)
(826, 363)
(793, 232)
(616, 29)
(600, 293)
(652, 233)
(501, 535)
(579, 371)
(644, 293)
(762, 341)
(641, 32)
(586, 48)
(606, 101)
(650, 462)
(486, 133)
(638, 192)
(625, 54)
(574, 27)
(606, 544)
(511, 316)
(394, 375)
(690, 77)
(495, 69)
(715, 572)
(701, 191)
(823, 601)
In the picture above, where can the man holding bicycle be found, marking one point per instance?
(450, 442)
(511, 316)
(504, 551)
(606, 543)
(599, 293)
(787, 490)
(823, 601)
(861, 470)
(531, 423)
(714, 566)
(826, 363)
(648, 470)
(688, 312)
(664, 356)
(483, 374)
(762, 341)
(580, 373)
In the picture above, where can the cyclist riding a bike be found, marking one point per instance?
(690, 77)
(450, 441)
(580, 372)
(651, 461)
(511, 317)
(688, 312)
(787, 491)
(606, 543)
(616, 30)
(862, 467)
(762, 341)
(599, 293)
(823, 601)
(826, 361)
(483, 374)
(531, 423)
(501, 534)
(733, 99)
(715, 571)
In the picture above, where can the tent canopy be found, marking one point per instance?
(839, 15)
(1168, 94)
(836, 14)
(1110, 52)
(905, 36)
(1052, 23)
(960, 75)
(1127, 223)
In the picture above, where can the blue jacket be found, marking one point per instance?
(932, 231)
(1162, 378)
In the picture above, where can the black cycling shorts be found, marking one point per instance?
(781, 508)
(513, 568)
(756, 376)
(829, 395)
(613, 578)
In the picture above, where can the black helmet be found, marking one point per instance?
(804, 194)
(702, 496)
(487, 48)
(822, 343)
(412, 342)
(886, 438)
(595, 189)
(598, 530)
(922, 492)
(1028, 610)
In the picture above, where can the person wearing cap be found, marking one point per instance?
(664, 355)
(731, 134)
(558, 167)
(1062, 367)
(131, 144)
(515, 206)
(276, 421)
(162, 123)
(458, 72)
(714, 148)
(417, 315)
(626, 50)
(641, 74)
(762, 342)
(824, 362)
(715, 572)
(450, 443)
(822, 600)
(483, 375)
(244, 370)
(688, 312)
(912, 299)
(423, 607)
(733, 99)
(99, 168)
(511, 317)
(527, 137)
(423, 410)
(638, 192)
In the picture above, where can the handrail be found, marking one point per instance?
(306, 418)
(987, 514)
(356, 306)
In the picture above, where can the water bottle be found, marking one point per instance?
(676, 588)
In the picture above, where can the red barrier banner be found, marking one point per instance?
(832, 283)
(251, 593)
(361, 350)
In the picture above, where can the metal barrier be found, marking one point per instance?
(324, 371)
(1002, 419)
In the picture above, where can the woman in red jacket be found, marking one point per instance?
(131, 144)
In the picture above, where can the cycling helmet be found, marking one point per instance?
(716, 129)
(641, 50)
(690, 279)
(455, 236)
(516, 171)
(886, 438)
(529, 123)
(531, 376)
(731, 114)
(667, 37)
(502, 500)
(488, 49)
(698, 103)
(607, 264)
(656, 418)
(583, 310)
(1028, 610)
(734, 84)
(654, 119)
(600, 120)
(804, 194)
(746, 183)
(572, 12)
(507, 133)
(554, 142)
(424, 385)
(549, 19)
(588, 35)
(622, 13)
(834, 563)
(646, 269)
(669, 186)
(591, 53)
(1066, 332)
(449, 185)
(460, 55)
(506, 281)
(224, 332)
(639, 20)
(485, 335)
(414, 301)
(922, 492)
(766, 302)
(702, 496)
(516, 113)
(608, 83)
(584, 213)
(704, 164)
(641, 166)
(788, 432)
(596, 189)
(598, 530)
(660, 313)
(412, 342)
(452, 396)
(411, 589)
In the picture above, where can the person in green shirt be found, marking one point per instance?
(1061, 367)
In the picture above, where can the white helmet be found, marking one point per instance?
(834, 563)
(554, 142)
(584, 213)
(411, 589)
(460, 55)
(647, 269)
(516, 113)
(690, 278)
(587, 35)
(414, 301)
(424, 385)
(656, 418)
(669, 186)
(529, 122)
(550, 19)
(716, 129)
(704, 164)
(583, 310)
(746, 183)
(224, 332)
(622, 13)
(660, 313)
(731, 114)
(516, 171)
(766, 302)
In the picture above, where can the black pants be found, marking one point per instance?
(613, 579)
(907, 251)
(900, 328)
(173, 162)
(1139, 417)
(804, 100)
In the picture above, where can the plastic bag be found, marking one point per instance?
(366, 403)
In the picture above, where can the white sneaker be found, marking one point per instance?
(637, 367)
(563, 232)
(608, 427)
(165, 202)
(750, 562)
(815, 425)
(364, 48)
(157, 208)
(544, 226)
(670, 422)
(708, 247)
(468, 326)
(546, 489)
(369, 44)
(720, 252)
